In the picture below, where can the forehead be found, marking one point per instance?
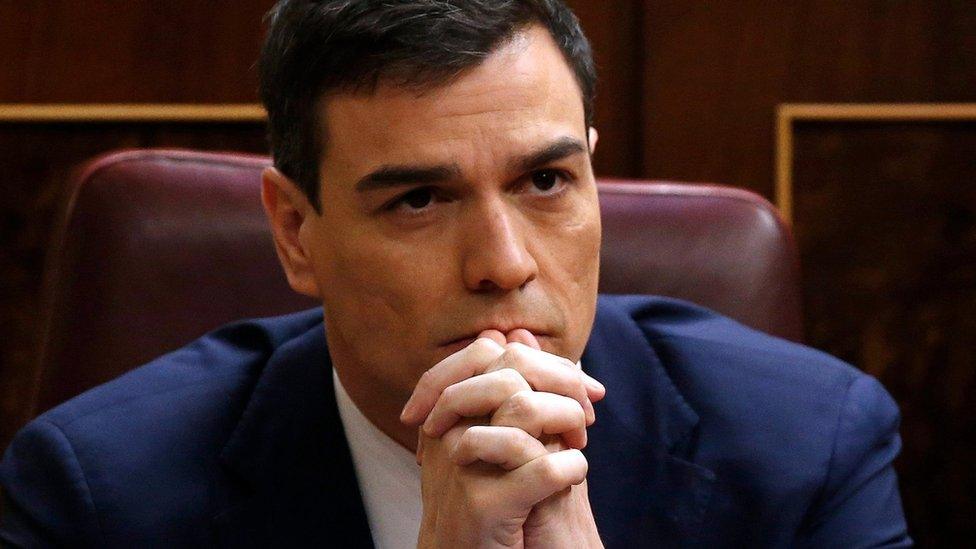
(522, 93)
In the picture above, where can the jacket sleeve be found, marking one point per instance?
(46, 497)
(859, 505)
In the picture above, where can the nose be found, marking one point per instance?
(496, 256)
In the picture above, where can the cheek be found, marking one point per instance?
(576, 246)
(572, 267)
(584, 264)
(587, 279)
(376, 289)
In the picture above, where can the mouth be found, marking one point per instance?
(456, 345)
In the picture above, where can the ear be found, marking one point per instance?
(289, 211)
(594, 136)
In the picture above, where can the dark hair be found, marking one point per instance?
(316, 47)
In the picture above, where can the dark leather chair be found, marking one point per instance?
(157, 247)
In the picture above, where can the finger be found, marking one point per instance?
(523, 336)
(473, 397)
(540, 414)
(546, 372)
(470, 361)
(495, 336)
(507, 447)
(594, 389)
(546, 475)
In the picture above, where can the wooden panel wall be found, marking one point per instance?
(894, 289)
(688, 92)
(104, 51)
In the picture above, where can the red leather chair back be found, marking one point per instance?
(158, 247)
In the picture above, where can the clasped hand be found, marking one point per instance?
(503, 423)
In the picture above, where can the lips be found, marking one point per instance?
(456, 345)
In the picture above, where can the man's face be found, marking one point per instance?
(453, 210)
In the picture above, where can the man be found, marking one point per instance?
(433, 188)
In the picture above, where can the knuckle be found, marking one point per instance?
(457, 451)
(513, 379)
(581, 388)
(450, 438)
(516, 353)
(514, 441)
(450, 393)
(474, 435)
(550, 472)
(426, 380)
(522, 403)
(579, 415)
(511, 444)
(465, 442)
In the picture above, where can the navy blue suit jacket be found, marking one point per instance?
(711, 435)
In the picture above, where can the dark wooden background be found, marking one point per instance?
(885, 213)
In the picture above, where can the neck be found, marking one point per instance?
(381, 409)
(380, 406)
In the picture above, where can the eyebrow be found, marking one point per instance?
(405, 175)
(557, 150)
(398, 176)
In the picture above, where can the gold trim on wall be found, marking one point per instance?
(123, 112)
(789, 113)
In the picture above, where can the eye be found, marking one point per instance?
(544, 180)
(548, 181)
(414, 201)
(417, 199)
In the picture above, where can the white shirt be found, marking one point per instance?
(388, 475)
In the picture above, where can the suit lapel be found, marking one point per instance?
(642, 487)
(290, 451)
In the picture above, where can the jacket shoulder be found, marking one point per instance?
(139, 456)
(229, 356)
(758, 397)
(789, 431)
(696, 343)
